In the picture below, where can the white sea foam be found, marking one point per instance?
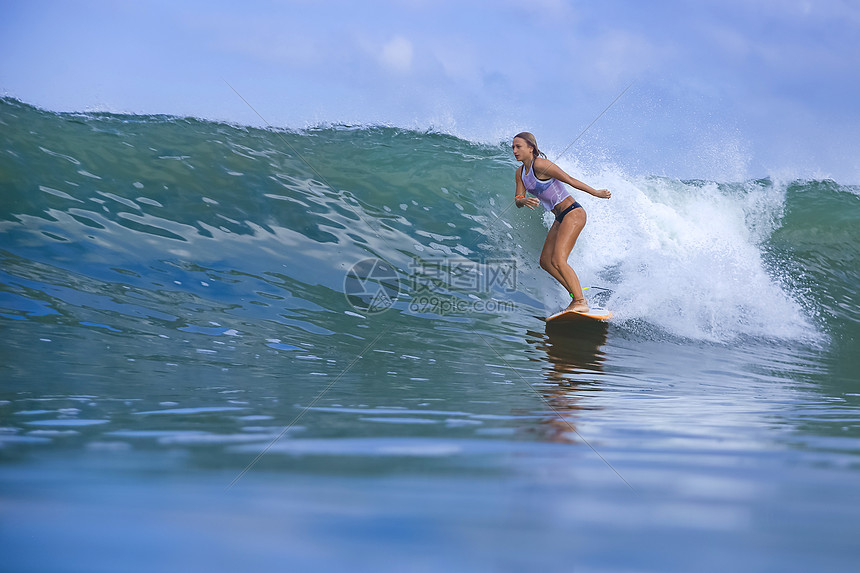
(687, 257)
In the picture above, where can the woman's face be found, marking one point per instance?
(522, 151)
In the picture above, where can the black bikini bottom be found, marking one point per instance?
(561, 215)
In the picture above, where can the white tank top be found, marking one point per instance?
(550, 193)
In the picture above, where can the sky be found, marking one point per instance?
(727, 90)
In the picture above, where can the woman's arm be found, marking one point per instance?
(546, 168)
(520, 198)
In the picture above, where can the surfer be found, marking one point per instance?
(544, 179)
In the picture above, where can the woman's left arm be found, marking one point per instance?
(556, 172)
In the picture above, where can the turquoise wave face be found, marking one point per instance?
(155, 224)
(818, 241)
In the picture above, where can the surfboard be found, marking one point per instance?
(593, 315)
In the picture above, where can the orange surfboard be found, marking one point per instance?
(593, 315)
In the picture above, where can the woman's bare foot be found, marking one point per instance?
(580, 305)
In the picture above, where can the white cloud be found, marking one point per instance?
(619, 56)
(397, 54)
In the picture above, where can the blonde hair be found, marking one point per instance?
(532, 142)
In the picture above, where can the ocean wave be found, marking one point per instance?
(153, 224)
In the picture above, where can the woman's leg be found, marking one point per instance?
(546, 254)
(563, 241)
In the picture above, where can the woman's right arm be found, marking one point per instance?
(520, 198)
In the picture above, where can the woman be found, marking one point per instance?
(544, 179)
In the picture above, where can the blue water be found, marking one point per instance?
(199, 373)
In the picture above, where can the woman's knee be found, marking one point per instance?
(558, 262)
(546, 263)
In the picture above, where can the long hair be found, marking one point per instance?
(532, 142)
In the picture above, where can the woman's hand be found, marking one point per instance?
(530, 202)
(602, 193)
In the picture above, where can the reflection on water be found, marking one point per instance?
(574, 352)
(574, 349)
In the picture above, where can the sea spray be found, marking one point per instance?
(687, 257)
